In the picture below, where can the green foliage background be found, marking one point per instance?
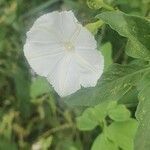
(33, 116)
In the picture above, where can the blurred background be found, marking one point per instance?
(32, 116)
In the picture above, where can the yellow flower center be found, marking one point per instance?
(69, 46)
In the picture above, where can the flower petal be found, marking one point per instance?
(91, 64)
(63, 24)
(43, 58)
(69, 24)
(46, 28)
(65, 79)
(43, 35)
(85, 39)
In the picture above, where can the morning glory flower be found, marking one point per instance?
(59, 48)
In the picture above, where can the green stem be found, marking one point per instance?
(56, 129)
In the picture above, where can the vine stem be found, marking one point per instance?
(56, 129)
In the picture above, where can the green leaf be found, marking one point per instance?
(22, 84)
(101, 111)
(39, 86)
(66, 143)
(119, 113)
(114, 83)
(87, 121)
(106, 50)
(123, 133)
(92, 117)
(95, 116)
(143, 115)
(136, 29)
(130, 99)
(102, 143)
(7, 145)
(86, 124)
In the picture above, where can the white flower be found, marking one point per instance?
(61, 49)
